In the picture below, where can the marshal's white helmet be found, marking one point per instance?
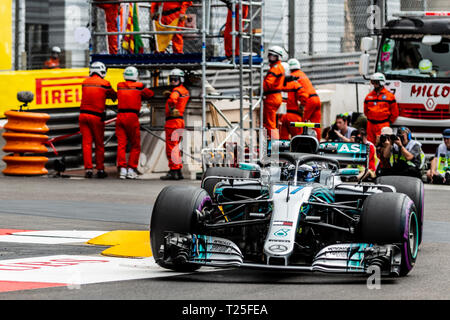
(177, 73)
(97, 68)
(56, 49)
(131, 74)
(277, 51)
(294, 64)
(285, 65)
(378, 76)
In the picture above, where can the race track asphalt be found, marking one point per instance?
(45, 203)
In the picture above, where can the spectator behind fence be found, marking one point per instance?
(53, 62)
(406, 157)
(342, 129)
(439, 172)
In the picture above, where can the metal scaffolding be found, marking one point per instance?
(248, 31)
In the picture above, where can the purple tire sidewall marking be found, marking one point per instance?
(204, 201)
(406, 236)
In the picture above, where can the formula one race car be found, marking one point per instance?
(293, 214)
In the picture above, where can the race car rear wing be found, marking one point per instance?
(346, 152)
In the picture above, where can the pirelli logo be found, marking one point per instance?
(59, 90)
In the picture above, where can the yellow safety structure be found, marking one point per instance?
(24, 134)
(125, 243)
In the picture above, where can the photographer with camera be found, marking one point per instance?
(406, 155)
(439, 172)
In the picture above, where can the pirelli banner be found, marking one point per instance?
(59, 88)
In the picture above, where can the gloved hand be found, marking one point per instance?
(166, 93)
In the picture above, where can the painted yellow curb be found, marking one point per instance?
(125, 243)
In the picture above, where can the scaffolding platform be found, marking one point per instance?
(169, 60)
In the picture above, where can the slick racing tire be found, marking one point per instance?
(413, 188)
(175, 210)
(230, 172)
(392, 218)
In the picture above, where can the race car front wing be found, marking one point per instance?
(338, 258)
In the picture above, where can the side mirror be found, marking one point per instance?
(431, 40)
(364, 64)
(366, 44)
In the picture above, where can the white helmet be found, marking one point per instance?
(378, 76)
(277, 51)
(131, 73)
(285, 65)
(56, 49)
(177, 73)
(97, 68)
(425, 66)
(294, 64)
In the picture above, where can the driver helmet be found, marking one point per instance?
(307, 173)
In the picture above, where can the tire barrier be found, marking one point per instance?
(25, 134)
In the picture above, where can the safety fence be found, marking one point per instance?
(321, 69)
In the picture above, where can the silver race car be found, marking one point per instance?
(294, 213)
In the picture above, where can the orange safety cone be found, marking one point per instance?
(24, 135)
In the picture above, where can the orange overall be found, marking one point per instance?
(52, 63)
(312, 111)
(129, 95)
(381, 110)
(296, 96)
(170, 12)
(272, 86)
(175, 106)
(95, 91)
(227, 37)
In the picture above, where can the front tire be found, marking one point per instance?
(391, 218)
(175, 211)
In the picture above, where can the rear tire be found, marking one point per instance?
(391, 218)
(413, 188)
(174, 210)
